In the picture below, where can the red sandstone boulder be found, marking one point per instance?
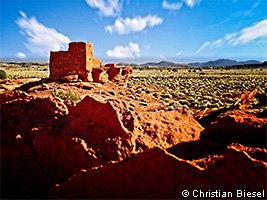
(126, 71)
(113, 72)
(13, 95)
(241, 126)
(63, 156)
(157, 174)
(151, 174)
(21, 118)
(98, 123)
(165, 129)
(118, 74)
(45, 141)
(22, 115)
(99, 75)
(65, 139)
(22, 176)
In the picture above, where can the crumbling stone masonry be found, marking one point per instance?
(79, 62)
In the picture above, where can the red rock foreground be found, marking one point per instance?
(45, 141)
(100, 148)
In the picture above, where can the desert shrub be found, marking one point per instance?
(3, 74)
(166, 96)
(112, 92)
(143, 104)
(65, 95)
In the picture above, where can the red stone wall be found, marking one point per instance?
(77, 60)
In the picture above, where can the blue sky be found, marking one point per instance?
(136, 30)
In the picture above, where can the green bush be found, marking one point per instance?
(65, 95)
(3, 74)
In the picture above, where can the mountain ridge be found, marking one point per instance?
(211, 63)
(223, 62)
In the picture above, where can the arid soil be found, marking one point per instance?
(107, 145)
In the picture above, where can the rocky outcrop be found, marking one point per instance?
(241, 126)
(151, 174)
(100, 148)
(165, 129)
(53, 140)
(157, 174)
(98, 123)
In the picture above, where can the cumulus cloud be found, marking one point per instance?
(171, 6)
(248, 34)
(124, 52)
(191, 3)
(106, 7)
(21, 55)
(41, 39)
(129, 25)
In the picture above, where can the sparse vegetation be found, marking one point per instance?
(17, 70)
(212, 88)
(205, 87)
(3, 74)
(65, 95)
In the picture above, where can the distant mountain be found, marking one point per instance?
(215, 63)
(127, 64)
(223, 62)
(163, 64)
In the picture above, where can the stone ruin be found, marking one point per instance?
(78, 63)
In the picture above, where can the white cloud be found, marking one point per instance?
(218, 43)
(106, 7)
(203, 46)
(129, 25)
(171, 6)
(259, 30)
(230, 38)
(41, 39)
(191, 3)
(178, 4)
(21, 55)
(123, 52)
(248, 34)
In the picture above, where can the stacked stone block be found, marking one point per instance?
(79, 61)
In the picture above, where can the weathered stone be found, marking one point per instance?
(243, 126)
(70, 78)
(56, 152)
(113, 71)
(99, 75)
(78, 62)
(98, 123)
(157, 174)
